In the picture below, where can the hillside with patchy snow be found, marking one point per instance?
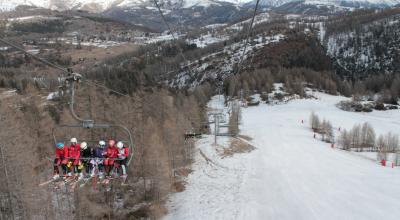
(102, 5)
(368, 47)
(290, 174)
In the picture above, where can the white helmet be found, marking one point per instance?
(102, 143)
(120, 145)
(74, 140)
(84, 145)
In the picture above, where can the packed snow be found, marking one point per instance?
(290, 175)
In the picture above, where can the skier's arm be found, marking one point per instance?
(78, 155)
(58, 154)
(66, 152)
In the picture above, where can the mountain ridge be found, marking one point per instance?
(104, 5)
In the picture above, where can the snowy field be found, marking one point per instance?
(290, 175)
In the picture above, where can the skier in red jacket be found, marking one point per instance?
(60, 160)
(110, 154)
(74, 153)
(123, 153)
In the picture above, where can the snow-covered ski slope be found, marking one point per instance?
(291, 175)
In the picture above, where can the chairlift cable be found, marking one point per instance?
(34, 56)
(239, 68)
(63, 69)
(173, 35)
(105, 87)
(247, 37)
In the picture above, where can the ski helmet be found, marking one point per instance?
(60, 145)
(111, 142)
(84, 145)
(120, 145)
(74, 140)
(102, 143)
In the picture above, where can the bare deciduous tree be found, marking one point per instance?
(392, 142)
(314, 122)
(356, 137)
(382, 146)
(345, 140)
(367, 137)
(328, 130)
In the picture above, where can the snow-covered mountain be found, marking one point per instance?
(103, 5)
(191, 14)
(349, 3)
(94, 5)
(328, 7)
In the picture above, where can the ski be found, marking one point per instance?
(47, 182)
(50, 181)
(75, 183)
(106, 181)
(65, 181)
(85, 181)
(123, 180)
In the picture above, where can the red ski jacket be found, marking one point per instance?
(62, 153)
(112, 152)
(74, 151)
(123, 153)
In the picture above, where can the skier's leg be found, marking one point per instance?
(64, 166)
(107, 167)
(123, 167)
(55, 166)
(79, 168)
(117, 167)
(88, 167)
(101, 167)
(112, 167)
(70, 167)
(64, 169)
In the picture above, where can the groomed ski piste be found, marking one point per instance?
(289, 174)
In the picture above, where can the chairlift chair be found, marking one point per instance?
(86, 128)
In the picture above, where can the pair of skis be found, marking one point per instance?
(58, 182)
(74, 182)
(107, 181)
